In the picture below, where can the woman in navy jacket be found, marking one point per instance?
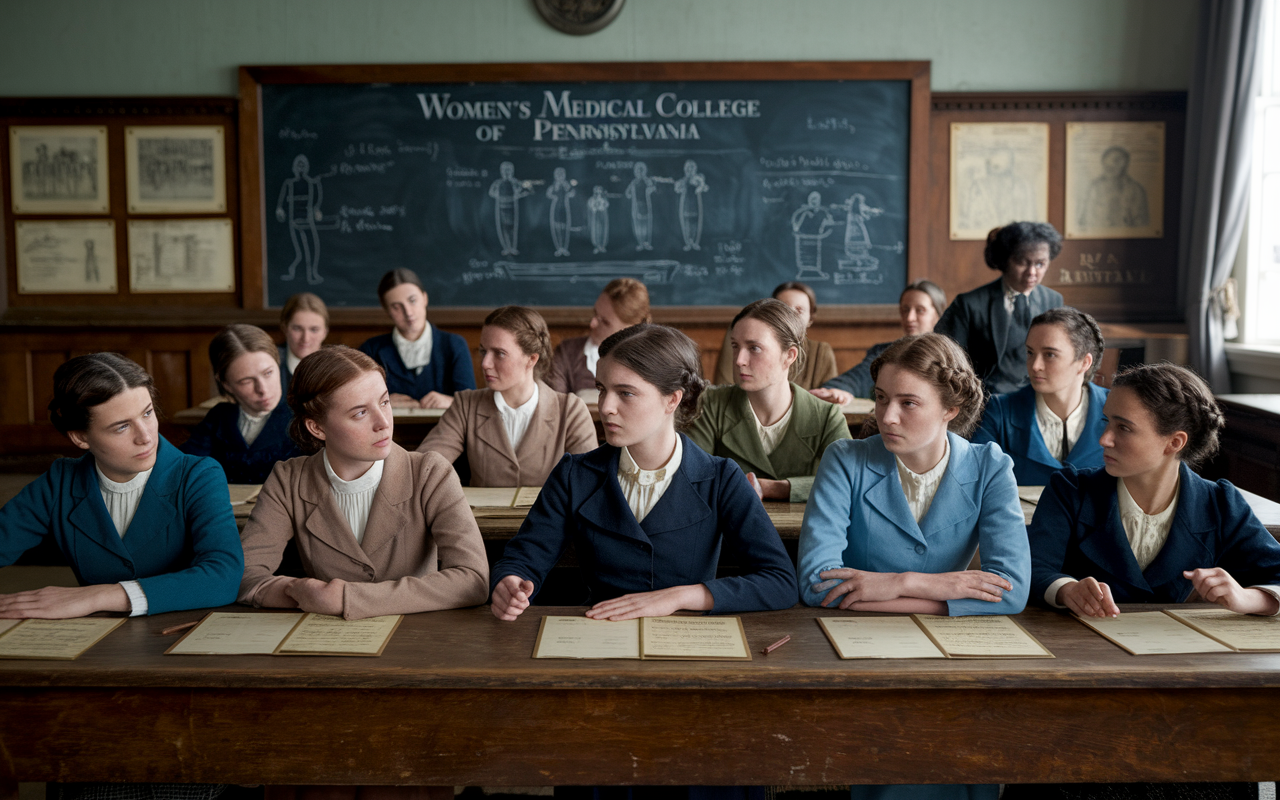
(145, 528)
(649, 512)
(991, 322)
(425, 366)
(1058, 418)
(249, 436)
(1145, 528)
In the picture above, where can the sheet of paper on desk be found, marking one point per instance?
(526, 496)
(1147, 633)
(424, 413)
(223, 633)
(323, 635)
(1030, 494)
(693, 638)
(583, 637)
(58, 639)
(878, 637)
(981, 637)
(243, 493)
(489, 496)
(1243, 632)
(6, 624)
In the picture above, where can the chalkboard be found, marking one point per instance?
(539, 192)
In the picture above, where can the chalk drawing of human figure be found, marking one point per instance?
(857, 240)
(299, 205)
(598, 219)
(560, 191)
(506, 192)
(690, 189)
(1115, 200)
(90, 263)
(811, 223)
(640, 193)
(1000, 195)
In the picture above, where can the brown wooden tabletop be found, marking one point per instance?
(457, 699)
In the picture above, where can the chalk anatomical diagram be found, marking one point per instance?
(561, 218)
(598, 219)
(813, 222)
(299, 206)
(507, 192)
(690, 188)
(810, 224)
(640, 193)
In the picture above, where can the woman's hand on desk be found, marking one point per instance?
(64, 602)
(662, 603)
(1217, 586)
(859, 586)
(767, 489)
(403, 401)
(435, 400)
(511, 597)
(1088, 598)
(837, 396)
(317, 596)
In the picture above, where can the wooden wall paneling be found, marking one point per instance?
(15, 400)
(1116, 280)
(117, 113)
(43, 365)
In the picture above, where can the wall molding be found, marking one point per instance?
(1059, 101)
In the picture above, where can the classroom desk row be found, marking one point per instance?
(457, 699)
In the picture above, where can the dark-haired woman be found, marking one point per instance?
(248, 436)
(649, 512)
(379, 530)
(1058, 418)
(920, 306)
(774, 429)
(424, 365)
(516, 430)
(145, 528)
(1145, 528)
(816, 367)
(991, 322)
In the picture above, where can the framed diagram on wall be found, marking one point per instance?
(176, 169)
(59, 169)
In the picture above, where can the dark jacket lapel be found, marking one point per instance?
(1087, 452)
(681, 505)
(1187, 546)
(1102, 538)
(1024, 434)
(998, 318)
(89, 514)
(158, 507)
(605, 507)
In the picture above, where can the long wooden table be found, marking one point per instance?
(456, 699)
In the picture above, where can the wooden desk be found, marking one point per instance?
(1250, 453)
(456, 699)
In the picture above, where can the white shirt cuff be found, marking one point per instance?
(137, 598)
(1274, 591)
(1051, 594)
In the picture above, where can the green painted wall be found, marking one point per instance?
(162, 47)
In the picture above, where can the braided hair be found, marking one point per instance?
(1179, 400)
(942, 363)
(665, 358)
(1083, 331)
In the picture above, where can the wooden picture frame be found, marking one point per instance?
(59, 169)
(254, 205)
(176, 169)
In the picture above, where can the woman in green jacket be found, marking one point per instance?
(774, 429)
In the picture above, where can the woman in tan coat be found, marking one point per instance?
(379, 530)
(516, 430)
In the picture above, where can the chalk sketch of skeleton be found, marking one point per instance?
(640, 192)
(598, 219)
(810, 224)
(559, 192)
(299, 205)
(690, 189)
(506, 192)
(857, 240)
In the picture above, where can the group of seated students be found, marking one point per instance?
(892, 520)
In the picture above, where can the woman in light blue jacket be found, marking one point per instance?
(894, 520)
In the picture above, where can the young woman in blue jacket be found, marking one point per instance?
(1057, 419)
(247, 437)
(649, 512)
(145, 528)
(1145, 528)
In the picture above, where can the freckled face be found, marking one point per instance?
(632, 410)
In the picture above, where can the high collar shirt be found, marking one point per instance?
(415, 355)
(643, 488)
(355, 498)
(515, 421)
(1051, 425)
(920, 488)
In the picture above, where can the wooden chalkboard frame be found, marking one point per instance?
(253, 201)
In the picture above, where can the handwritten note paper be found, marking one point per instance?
(57, 639)
(223, 633)
(581, 637)
(878, 637)
(320, 634)
(1242, 632)
(696, 638)
(1145, 633)
(981, 637)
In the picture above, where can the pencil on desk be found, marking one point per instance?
(179, 628)
(776, 644)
